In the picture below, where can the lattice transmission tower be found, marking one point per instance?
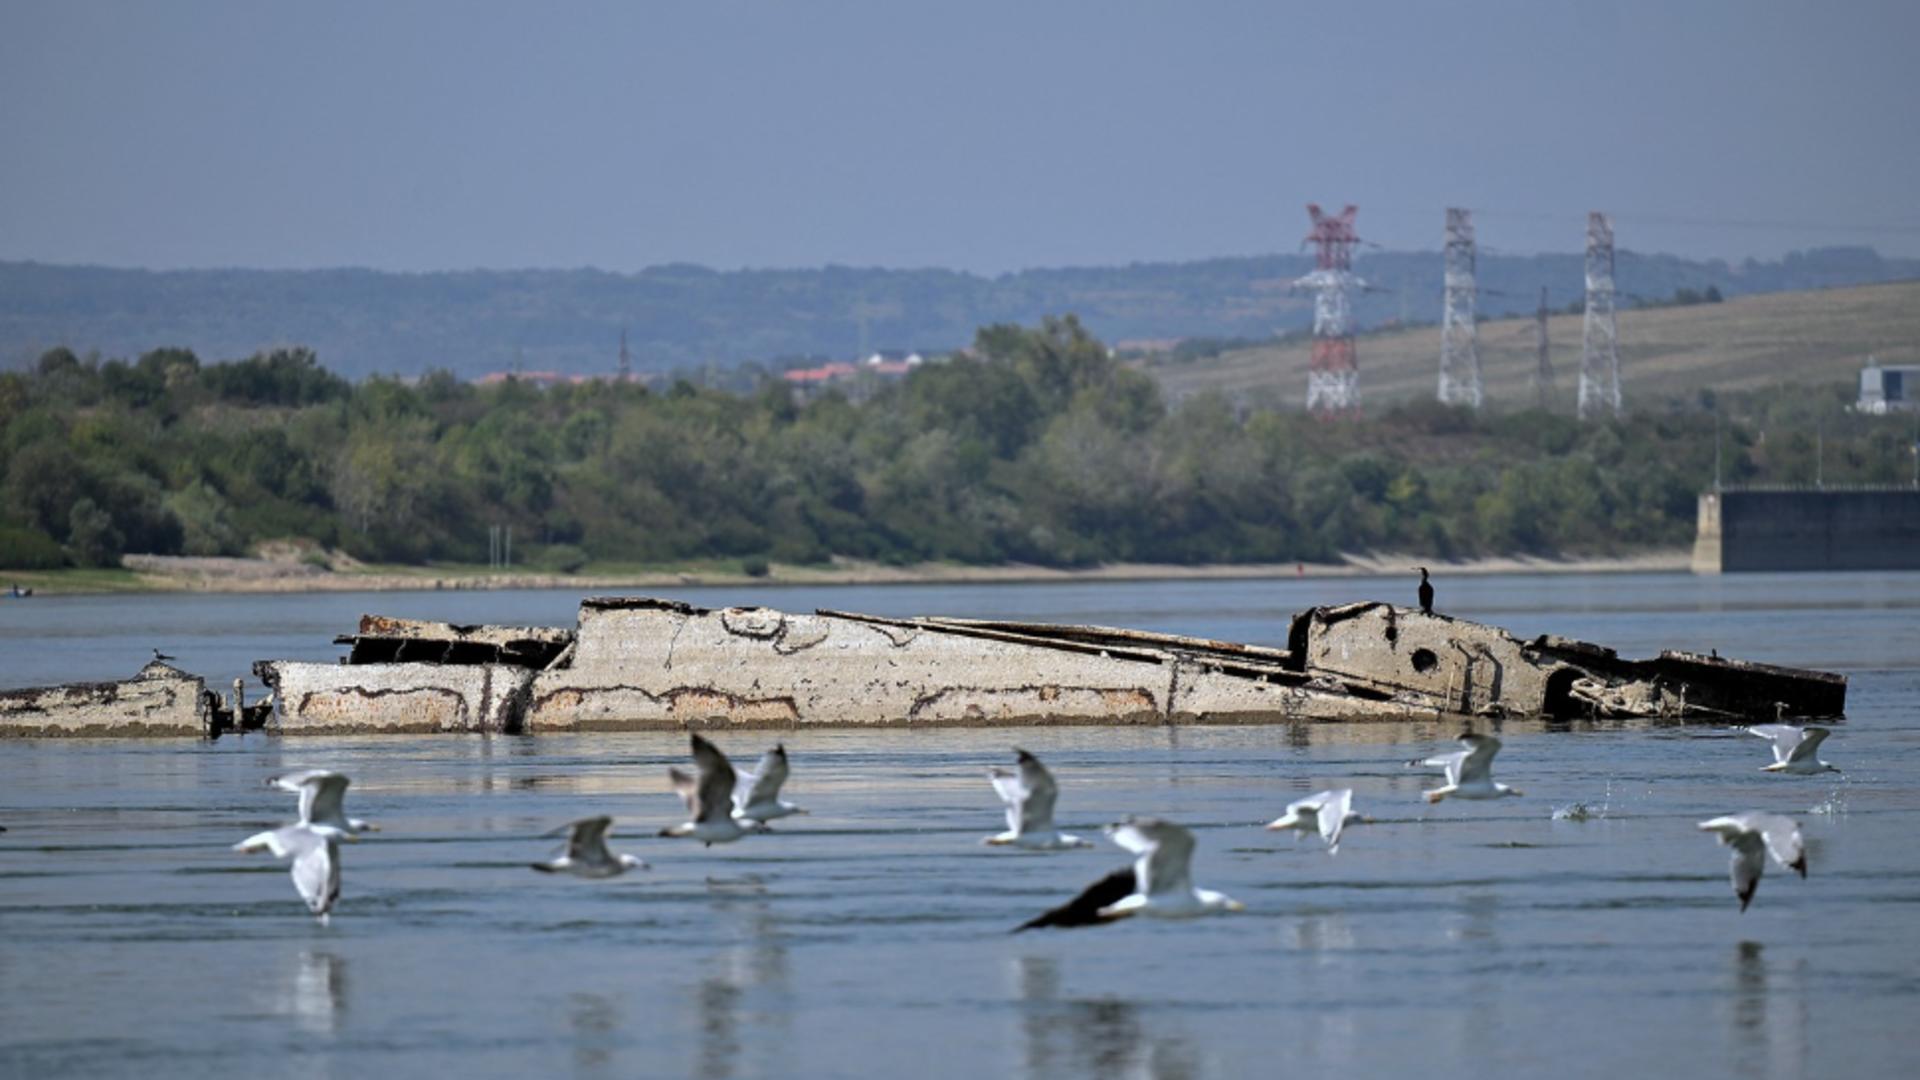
(1459, 337)
(1333, 379)
(1600, 340)
(626, 358)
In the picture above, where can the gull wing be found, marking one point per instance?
(322, 798)
(1749, 859)
(1477, 764)
(1448, 763)
(1013, 792)
(1810, 740)
(1331, 814)
(1165, 853)
(274, 841)
(587, 843)
(1786, 739)
(308, 784)
(1036, 811)
(1752, 836)
(295, 781)
(762, 785)
(1084, 909)
(714, 796)
(316, 867)
(1781, 836)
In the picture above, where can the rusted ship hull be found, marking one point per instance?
(639, 663)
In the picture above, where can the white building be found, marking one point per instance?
(1888, 389)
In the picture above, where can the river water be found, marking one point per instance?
(870, 937)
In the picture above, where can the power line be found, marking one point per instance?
(1636, 218)
(1661, 217)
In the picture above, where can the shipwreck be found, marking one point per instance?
(636, 663)
(159, 699)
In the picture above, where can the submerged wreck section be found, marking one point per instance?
(643, 663)
(159, 700)
(410, 676)
(1477, 670)
(653, 663)
(384, 640)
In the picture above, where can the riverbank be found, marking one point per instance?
(153, 573)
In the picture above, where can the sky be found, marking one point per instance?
(984, 136)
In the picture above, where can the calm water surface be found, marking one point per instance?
(870, 937)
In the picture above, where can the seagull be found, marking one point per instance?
(1326, 811)
(321, 792)
(1030, 794)
(709, 798)
(160, 656)
(1469, 771)
(1795, 749)
(756, 795)
(586, 854)
(315, 851)
(1426, 591)
(1159, 883)
(1753, 836)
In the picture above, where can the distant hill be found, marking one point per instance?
(680, 317)
(1818, 335)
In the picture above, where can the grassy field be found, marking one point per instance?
(1819, 336)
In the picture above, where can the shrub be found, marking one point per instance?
(561, 559)
(29, 549)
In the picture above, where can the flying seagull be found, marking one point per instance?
(708, 794)
(1030, 794)
(586, 853)
(1159, 883)
(322, 792)
(1426, 591)
(1469, 771)
(1795, 749)
(1753, 836)
(1325, 811)
(756, 795)
(315, 851)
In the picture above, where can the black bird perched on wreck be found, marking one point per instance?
(160, 656)
(1426, 592)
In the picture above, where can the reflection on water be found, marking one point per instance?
(1477, 928)
(1323, 933)
(593, 1021)
(1103, 1037)
(316, 995)
(1330, 1027)
(1769, 1024)
(718, 1000)
(753, 970)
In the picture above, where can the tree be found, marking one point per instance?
(91, 538)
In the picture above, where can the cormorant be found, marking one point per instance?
(158, 655)
(1426, 591)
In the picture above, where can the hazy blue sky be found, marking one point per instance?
(978, 135)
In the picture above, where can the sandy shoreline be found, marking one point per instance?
(167, 574)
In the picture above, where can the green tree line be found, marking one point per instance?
(1035, 445)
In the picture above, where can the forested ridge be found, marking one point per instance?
(695, 319)
(1035, 446)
